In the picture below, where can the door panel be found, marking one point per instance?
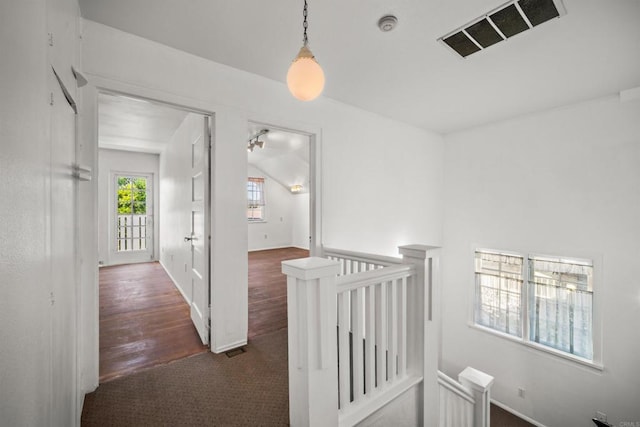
(63, 277)
(199, 228)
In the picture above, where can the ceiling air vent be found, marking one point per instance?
(501, 23)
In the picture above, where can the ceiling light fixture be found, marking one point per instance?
(255, 142)
(305, 78)
(296, 188)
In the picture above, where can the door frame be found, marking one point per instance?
(315, 176)
(89, 354)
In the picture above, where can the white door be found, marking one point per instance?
(199, 237)
(63, 265)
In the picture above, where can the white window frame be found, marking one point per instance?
(263, 206)
(596, 331)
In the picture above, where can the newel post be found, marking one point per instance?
(424, 327)
(313, 348)
(480, 383)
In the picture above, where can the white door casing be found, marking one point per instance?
(199, 238)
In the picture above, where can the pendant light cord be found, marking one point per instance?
(305, 39)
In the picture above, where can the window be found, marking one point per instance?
(131, 227)
(561, 304)
(552, 308)
(499, 292)
(255, 199)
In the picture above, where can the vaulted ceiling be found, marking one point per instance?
(406, 73)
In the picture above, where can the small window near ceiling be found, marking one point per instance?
(255, 199)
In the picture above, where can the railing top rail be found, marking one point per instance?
(350, 282)
(454, 386)
(361, 256)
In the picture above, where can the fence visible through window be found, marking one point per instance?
(131, 224)
(132, 232)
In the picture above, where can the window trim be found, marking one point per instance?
(597, 339)
(262, 180)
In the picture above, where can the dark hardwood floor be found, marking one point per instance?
(144, 320)
(268, 289)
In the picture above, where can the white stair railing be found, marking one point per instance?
(357, 341)
(464, 403)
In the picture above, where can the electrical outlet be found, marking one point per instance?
(601, 416)
(521, 392)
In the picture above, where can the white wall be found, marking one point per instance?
(175, 206)
(300, 228)
(37, 360)
(372, 166)
(564, 182)
(283, 214)
(110, 162)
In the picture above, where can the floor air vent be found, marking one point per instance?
(501, 23)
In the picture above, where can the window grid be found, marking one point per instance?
(255, 199)
(499, 292)
(561, 305)
(552, 308)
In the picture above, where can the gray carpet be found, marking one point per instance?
(250, 389)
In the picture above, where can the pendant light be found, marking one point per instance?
(305, 77)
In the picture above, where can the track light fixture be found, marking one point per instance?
(254, 141)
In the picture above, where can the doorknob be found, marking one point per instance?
(188, 238)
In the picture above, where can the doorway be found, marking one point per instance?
(279, 207)
(153, 233)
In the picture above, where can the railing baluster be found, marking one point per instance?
(393, 331)
(381, 335)
(402, 333)
(343, 350)
(357, 315)
(370, 340)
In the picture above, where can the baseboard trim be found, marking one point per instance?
(270, 248)
(517, 414)
(175, 283)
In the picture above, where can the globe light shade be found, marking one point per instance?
(305, 77)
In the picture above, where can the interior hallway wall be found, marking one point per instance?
(280, 215)
(111, 161)
(300, 227)
(562, 182)
(37, 312)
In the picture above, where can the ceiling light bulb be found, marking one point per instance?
(305, 78)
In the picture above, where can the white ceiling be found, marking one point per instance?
(593, 50)
(135, 125)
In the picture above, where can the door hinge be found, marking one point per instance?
(50, 39)
(51, 98)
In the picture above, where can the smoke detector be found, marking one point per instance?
(387, 23)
